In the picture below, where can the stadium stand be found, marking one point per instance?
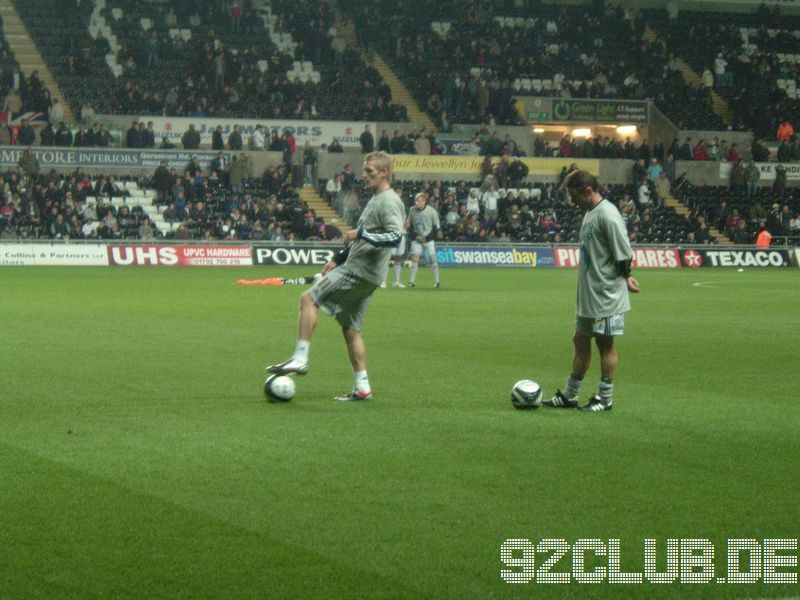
(188, 206)
(536, 213)
(474, 56)
(20, 92)
(75, 59)
(285, 59)
(740, 214)
(751, 60)
(200, 60)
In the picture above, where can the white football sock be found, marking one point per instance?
(573, 386)
(362, 382)
(413, 276)
(301, 350)
(606, 390)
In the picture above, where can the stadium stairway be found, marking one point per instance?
(323, 210)
(681, 209)
(345, 27)
(720, 107)
(27, 55)
(690, 76)
(401, 95)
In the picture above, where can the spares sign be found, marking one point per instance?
(183, 256)
(643, 258)
(696, 258)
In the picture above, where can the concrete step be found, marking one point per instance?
(682, 209)
(22, 38)
(27, 57)
(322, 208)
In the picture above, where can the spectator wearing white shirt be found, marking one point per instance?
(258, 138)
(473, 202)
(89, 229)
(333, 190)
(56, 112)
(644, 194)
(721, 75)
(489, 202)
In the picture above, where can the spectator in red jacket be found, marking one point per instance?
(565, 146)
(701, 150)
(785, 131)
(733, 154)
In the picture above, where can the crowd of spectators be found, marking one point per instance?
(20, 93)
(227, 202)
(744, 68)
(464, 71)
(218, 203)
(75, 58)
(503, 206)
(229, 65)
(741, 214)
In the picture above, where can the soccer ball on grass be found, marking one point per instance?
(279, 388)
(526, 394)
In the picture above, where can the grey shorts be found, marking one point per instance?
(608, 326)
(429, 248)
(401, 248)
(342, 294)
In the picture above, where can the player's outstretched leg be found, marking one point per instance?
(307, 321)
(288, 367)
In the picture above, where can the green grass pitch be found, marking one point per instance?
(138, 457)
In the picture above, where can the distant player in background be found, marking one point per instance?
(423, 223)
(349, 280)
(604, 281)
(399, 252)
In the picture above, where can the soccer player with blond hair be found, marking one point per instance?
(349, 280)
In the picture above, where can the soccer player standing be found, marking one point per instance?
(604, 281)
(399, 252)
(350, 279)
(424, 222)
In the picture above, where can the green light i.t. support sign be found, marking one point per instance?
(599, 111)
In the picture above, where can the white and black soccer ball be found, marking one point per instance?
(526, 394)
(279, 388)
